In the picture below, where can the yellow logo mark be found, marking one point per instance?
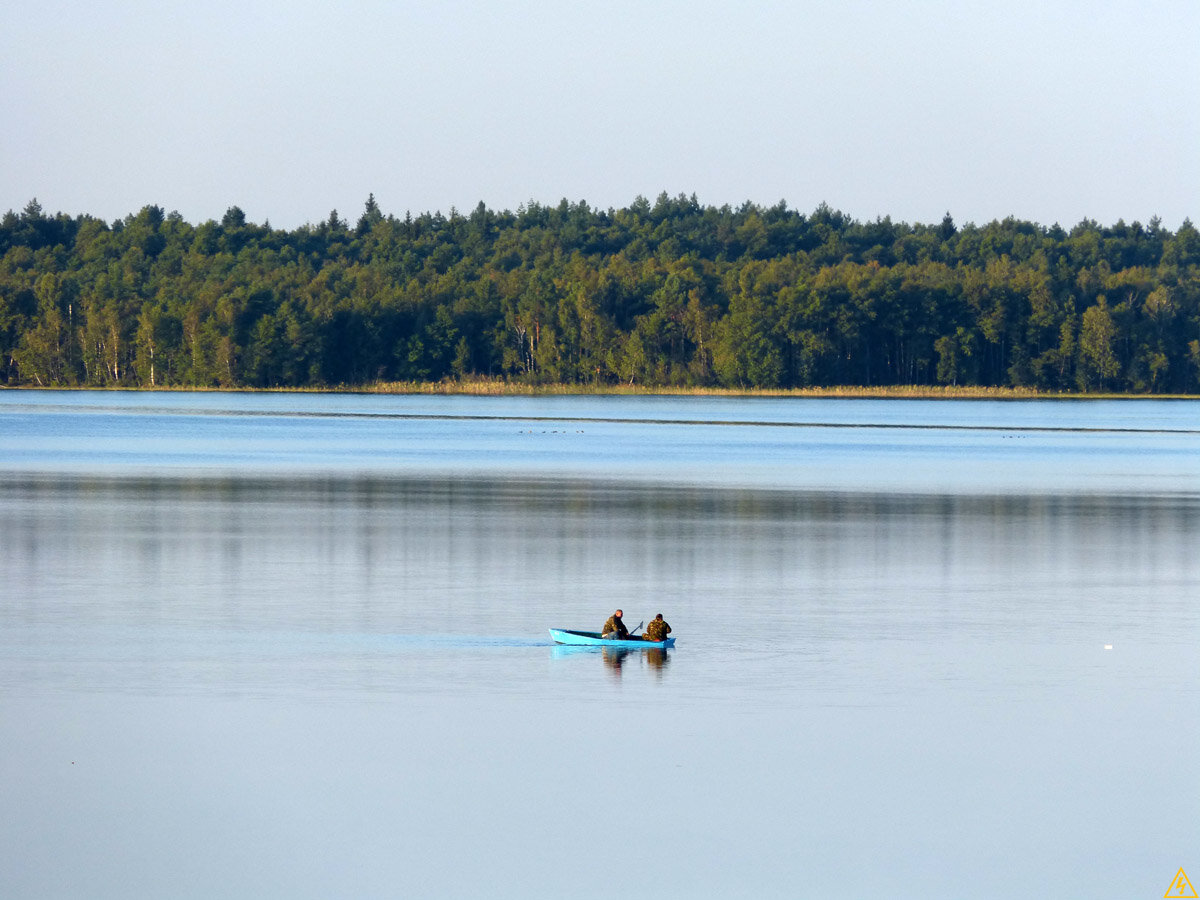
(1180, 886)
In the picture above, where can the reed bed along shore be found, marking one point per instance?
(497, 387)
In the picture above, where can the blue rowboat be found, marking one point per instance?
(593, 639)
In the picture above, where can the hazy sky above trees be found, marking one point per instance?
(1048, 111)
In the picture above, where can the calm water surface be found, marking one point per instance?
(295, 646)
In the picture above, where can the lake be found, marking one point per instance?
(295, 645)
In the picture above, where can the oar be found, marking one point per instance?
(639, 625)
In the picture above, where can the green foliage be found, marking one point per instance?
(662, 294)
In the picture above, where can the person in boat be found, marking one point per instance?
(657, 630)
(614, 628)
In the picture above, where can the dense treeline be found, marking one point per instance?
(664, 293)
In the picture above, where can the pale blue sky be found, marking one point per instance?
(1049, 111)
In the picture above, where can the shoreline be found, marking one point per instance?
(499, 388)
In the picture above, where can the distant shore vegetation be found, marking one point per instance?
(665, 296)
(501, 387)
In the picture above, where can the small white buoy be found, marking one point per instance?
(1108, 646)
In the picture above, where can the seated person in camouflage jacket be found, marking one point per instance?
(657, 630)
(614, 628)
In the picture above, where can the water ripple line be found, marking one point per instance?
(625, 420)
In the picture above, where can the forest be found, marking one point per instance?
(665, 293)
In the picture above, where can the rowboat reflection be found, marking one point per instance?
(657, 659)
(615, 658)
